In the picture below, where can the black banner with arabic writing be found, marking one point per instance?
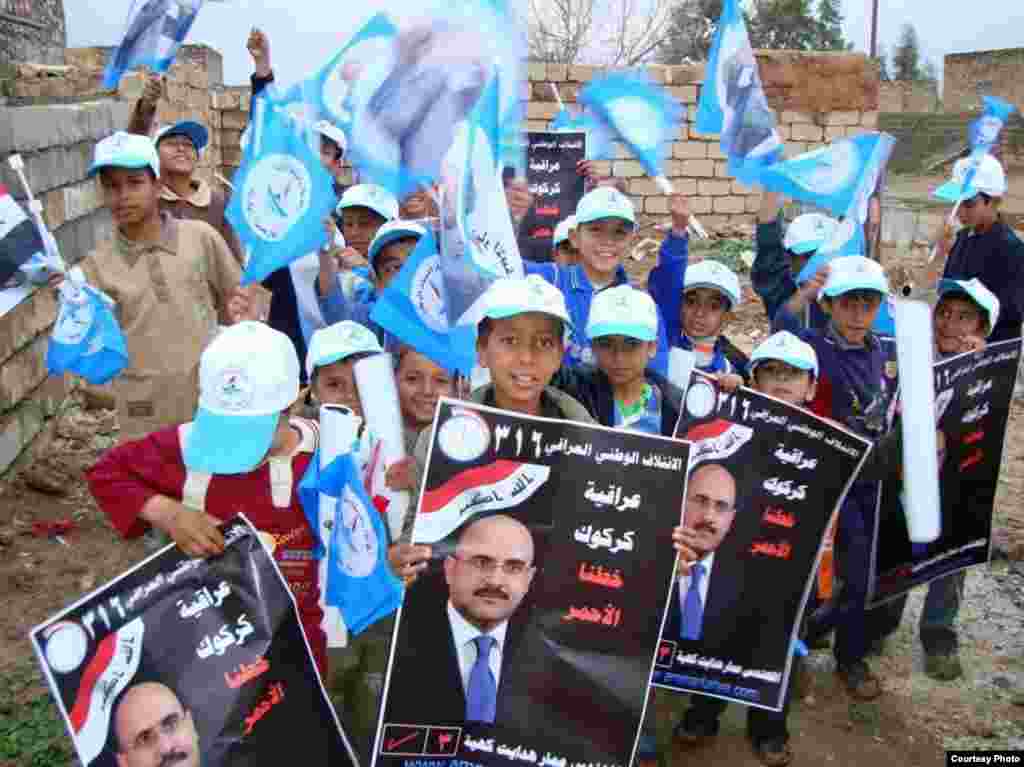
(576, 637)
(764, 482)
(551, 159)
(972, 407)
(200, 661)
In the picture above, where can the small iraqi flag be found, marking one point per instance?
(19, 237)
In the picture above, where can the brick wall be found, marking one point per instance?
(32, 30)
(969, 76)
(907, 96)
(56, 143)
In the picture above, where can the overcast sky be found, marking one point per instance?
(304, 34)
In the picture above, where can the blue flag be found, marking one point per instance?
(732, 101)
(86, 339)
(413, 309)
(282, 196)
(641, 114)
(600, 141)
(359, 580)
(840, 176)
(982, 134)
(153, 34)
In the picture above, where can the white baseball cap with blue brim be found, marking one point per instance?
(390, 232)
(565, 226)
(195, 132)
(809, 232)
(712, 274)
(786, 347)
(990, 179)
(338, 342)
(604, 202)
(125, 150)
(248, 375)
(333, 132)
(623, 311)
(376, 198)
(849, 273)
(975, 290)
(512, 296)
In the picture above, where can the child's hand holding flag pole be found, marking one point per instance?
(50, 263)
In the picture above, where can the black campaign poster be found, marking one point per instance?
(196, 661)
(577, 634)
(765, 480)
(972, 407)
(551, 159)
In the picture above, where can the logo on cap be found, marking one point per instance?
(276, 195)
(234, 393)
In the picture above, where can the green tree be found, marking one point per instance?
(929, 72)
(830, 26)
(906, 59)
(883, 64)
(692, 25)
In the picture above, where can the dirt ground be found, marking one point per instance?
(910, 725)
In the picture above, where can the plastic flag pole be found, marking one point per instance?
(558, 96)
(666, 187)
(36, 209)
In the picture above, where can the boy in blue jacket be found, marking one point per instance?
(665, 282)
(710, 292)
(605, 230)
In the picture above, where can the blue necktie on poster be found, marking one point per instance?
(86, 339)
(413, 308)
(732, 101)
(153, 34)
(359, 580)
(282, 194)
(693, 607)
(481, 689)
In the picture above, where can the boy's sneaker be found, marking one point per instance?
(687, 735)
(860, 682)
(773, 752)
(942, 666)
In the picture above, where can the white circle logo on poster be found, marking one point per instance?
(66, 646)
(360, 555)
(428, 294)
(464, 437)
(276, 194)
(700, 399)
(830, 168)
(639, 120)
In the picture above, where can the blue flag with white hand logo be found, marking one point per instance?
(732, 101)
(152, 36)
(983, 133)
(413, 308)
(636, 111)
(359, 580)
(86, 339)
(282, 194)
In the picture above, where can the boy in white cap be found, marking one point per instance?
(605, 230)
(186, 480)
(985, 248)
(563, 249)
(173, 281)
(856, 382)
(179, 145)
(784, 367)
(621, 391)
(710, 292)
(780, 259)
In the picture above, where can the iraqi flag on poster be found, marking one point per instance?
(499, 485)
(20, 239)
(152, 36)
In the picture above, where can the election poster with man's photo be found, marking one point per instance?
(551, 159)
(765, 480)
(530, 638)
(972, 407)
(191, 662)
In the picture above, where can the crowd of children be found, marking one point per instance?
(572, 340)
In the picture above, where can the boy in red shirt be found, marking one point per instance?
(242, 453)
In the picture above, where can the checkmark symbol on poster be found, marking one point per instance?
(394, 743)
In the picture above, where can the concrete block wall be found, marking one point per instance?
(969, 76)
(32, 30)
(56, 143)
(908, 96)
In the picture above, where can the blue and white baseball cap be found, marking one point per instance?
(623, 311)
(786, 347)
(990, 178)
(338, 342)
(604, 202)
(975, 290)
(809, 232)
(848, 273)
(712, 274)
(376, 198)
(391, 231)
(125, 150)
(565, 226)
(333, 132)
(511, 296)
(196, 133)
(248, 375)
